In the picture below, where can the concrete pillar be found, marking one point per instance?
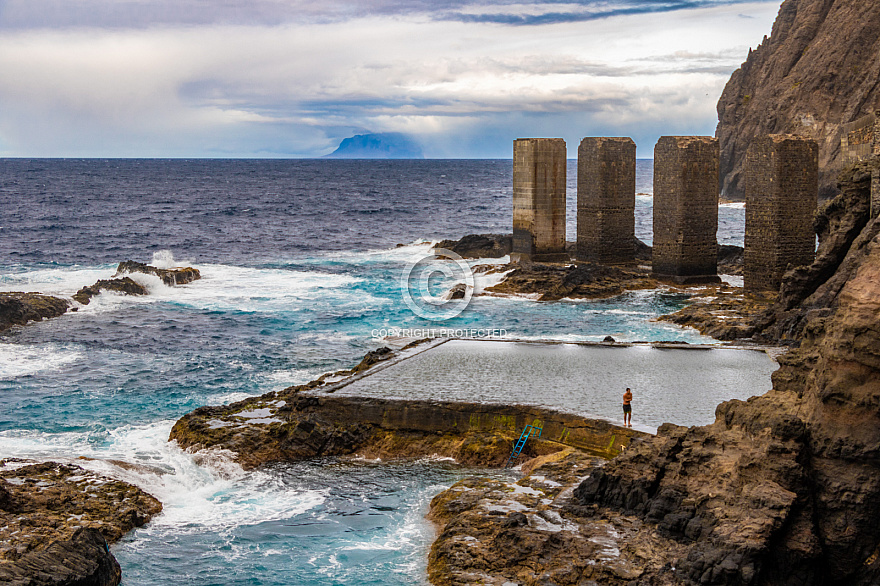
(539, 200)
(606, 200)
(686, 209)
(782, 191)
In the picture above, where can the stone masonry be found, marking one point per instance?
(686, 209)
(606, 199)
(782, 191)
(875, 192)
(539, 200)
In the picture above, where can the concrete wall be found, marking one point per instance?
(782, 190)
(539, 200)
(606, 199)
(686, 209)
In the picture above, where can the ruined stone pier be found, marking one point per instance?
(686, 209)
(539, 200)
(606, 199)
(782, 191)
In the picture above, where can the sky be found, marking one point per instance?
(292, 78)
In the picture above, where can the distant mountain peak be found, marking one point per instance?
(383, 145)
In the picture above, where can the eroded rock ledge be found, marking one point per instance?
(291, 425)
(56, 521)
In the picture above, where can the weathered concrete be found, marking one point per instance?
(539, 200)
(782, 192)
(299, 426)
(606, 200)
(686, 209)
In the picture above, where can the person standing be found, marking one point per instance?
(627, 408)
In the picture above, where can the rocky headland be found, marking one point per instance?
(57, 521)
(817, 71)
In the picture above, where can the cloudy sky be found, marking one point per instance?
(291, 78)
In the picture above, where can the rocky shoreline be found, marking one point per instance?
(58, 520)
(17, 308)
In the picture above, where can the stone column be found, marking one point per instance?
(782, 191)
(539, 200)
(686, 209)
(606, 200)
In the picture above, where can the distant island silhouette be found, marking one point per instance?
(385, 145)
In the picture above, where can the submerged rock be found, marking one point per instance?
(56, 521)
(21, 308)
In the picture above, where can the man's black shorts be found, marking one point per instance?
(627, 408)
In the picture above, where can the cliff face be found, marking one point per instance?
(819, 69)
(783, 489)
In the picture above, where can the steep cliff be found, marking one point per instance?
(818, 70)
(783, 489)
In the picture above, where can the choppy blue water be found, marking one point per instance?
(299, 264)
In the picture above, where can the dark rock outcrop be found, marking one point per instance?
(82, 560)
(125, 285)
(730, 259)
(21, 308)
(56, 521)
(479, 245)
(583, 280)
(817, 71)
(171, 277)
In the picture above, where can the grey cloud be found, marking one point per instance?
(28, 14)
(589, 11)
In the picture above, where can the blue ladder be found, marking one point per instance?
(521, 442)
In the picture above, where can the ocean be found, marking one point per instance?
(300, 263)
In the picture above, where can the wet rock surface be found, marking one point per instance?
(125, 285)
(21, 308)
(56, 521)
(128, 286)
(551, 282)
(171, 277)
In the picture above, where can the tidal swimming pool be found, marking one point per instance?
(677, 385)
